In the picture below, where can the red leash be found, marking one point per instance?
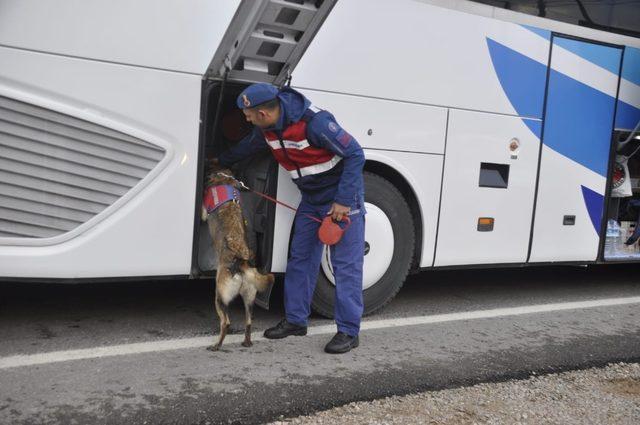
(265, 196)
(329, 232)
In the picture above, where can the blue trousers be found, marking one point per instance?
(304, 264)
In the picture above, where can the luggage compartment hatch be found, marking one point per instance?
(267, 38)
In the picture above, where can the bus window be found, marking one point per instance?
(618, 16)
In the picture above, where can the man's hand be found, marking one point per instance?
(337, 211)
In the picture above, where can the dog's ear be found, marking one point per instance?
(212, 164)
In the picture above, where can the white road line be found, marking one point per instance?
(199, 342)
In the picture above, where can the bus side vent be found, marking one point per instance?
(57, 171)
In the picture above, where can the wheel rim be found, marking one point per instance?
(379, 243)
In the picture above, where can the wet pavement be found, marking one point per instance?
(442, 331)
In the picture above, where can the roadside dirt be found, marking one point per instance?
(609, 395)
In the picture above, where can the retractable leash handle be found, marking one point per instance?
(330, 231)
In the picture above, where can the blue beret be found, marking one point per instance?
(256, 94)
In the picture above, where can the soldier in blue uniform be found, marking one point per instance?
(325, 162)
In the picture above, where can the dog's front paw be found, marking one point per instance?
(214, 347)
(247, 344)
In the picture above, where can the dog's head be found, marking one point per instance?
(216, 175)
(220, 177)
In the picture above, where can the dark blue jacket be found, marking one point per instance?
(343, 183)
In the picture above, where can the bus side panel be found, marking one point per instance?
(486, 177)
(149, 230)
(167, 34)
(385, 124)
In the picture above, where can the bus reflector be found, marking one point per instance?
(485, 224)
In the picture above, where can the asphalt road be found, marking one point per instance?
(133, 352)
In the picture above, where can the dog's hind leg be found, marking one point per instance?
(248, 294)
(248, 310)
(223, 315)
(223, 290)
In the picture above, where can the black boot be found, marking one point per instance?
(285, 329)
(341, 343)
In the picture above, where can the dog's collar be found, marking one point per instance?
(240, 183)
(220, 173)
(216, 196)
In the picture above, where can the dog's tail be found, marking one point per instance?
(261, 281)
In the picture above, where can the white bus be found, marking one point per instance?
(491, 134)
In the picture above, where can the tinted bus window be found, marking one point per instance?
(619, 16)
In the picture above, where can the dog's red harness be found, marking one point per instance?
(215, 196)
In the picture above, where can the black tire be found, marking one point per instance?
(388, 198)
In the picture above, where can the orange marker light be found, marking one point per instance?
(485, 224)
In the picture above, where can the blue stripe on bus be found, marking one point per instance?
(578, 122)
(522, 79)
(595, 203)
(604, 56)
(631, 65)
(627, 116)
(546, 34)
(579, 117)
(534, 126)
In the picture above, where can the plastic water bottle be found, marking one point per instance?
(613, 239)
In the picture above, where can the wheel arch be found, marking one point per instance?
(397, 179)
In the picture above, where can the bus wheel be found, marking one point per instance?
(389, 243)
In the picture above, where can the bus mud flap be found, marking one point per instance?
(262, 298)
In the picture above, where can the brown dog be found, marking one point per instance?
(235, 276)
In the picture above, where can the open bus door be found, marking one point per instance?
(263, 43)
(620, 240)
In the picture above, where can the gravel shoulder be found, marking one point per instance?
(609, 395)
